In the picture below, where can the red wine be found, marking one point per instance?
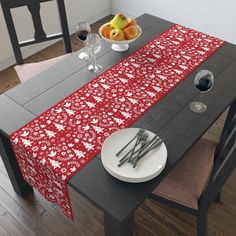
(82, 34)
(204, 83)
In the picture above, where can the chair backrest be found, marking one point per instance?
(225, 159)
(40, 35)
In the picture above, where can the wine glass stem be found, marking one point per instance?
(84, 46)
(94, 60)
(200, 97)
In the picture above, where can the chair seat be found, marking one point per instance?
(187, 181)
(29, 70)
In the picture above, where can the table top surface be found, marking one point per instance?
(171, 117)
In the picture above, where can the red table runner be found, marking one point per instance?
(57, 144)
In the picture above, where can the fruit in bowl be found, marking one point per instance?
(120, 32)
(131, 32)
(117, 34)
(120, 21)
(106, 30)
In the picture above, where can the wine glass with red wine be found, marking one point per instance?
(204, 81)
(83, 31)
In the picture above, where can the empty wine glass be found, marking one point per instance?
(82, 32)
(203, 82)
(94, 45)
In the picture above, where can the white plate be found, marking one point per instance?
(147, 168)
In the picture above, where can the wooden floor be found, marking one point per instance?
(35, 216)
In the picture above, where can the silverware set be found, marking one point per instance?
(141, 146)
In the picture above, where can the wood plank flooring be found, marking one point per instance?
(35, 216)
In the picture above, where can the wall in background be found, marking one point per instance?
(215, 17)
(77, 10)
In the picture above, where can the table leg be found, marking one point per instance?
(11, 165)
(114, 227)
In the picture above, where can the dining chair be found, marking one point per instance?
(198, 178)
(28, 70)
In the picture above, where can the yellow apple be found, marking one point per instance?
(117, 34)
(106, 30)
(131, 32)
(131, 21)
(119, 21)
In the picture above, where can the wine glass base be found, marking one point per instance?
(84, 56)
(120, 47)
(198, 107)
(95, 68)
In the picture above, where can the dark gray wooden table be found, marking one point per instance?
(171, 118)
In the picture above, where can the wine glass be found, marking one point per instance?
(82, 32)
(94, 45)
(203, 82)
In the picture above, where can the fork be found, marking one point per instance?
(153, 146)
(143, 141)
(138, 134)
(149, 143)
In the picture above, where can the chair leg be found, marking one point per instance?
(218, 198)
(202, 219)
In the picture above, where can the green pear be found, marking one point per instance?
(119, 21)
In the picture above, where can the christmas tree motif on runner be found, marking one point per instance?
(97, 129)
(206, 49)
(187, 57)
(79, 153)
(200, 52)
(133, 101)
(162, 77)
(208, 40)
(90, 104)
(60, 127)
(130, 76)
(70, 112)
(123, 80)
(180, 39)
(135, 65)
(50, 133)
(151, 94)
(26, 142)
(105, 86)
(179, 72)
(157, 56)
(161, 47)
(126, 114)
(183, 67)
(152, 60)
(55, 164)
(118, 121)
(88, 146)
(98, 99)
(158, 89)
(175, 42)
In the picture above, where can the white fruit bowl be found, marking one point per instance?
(121, 46)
